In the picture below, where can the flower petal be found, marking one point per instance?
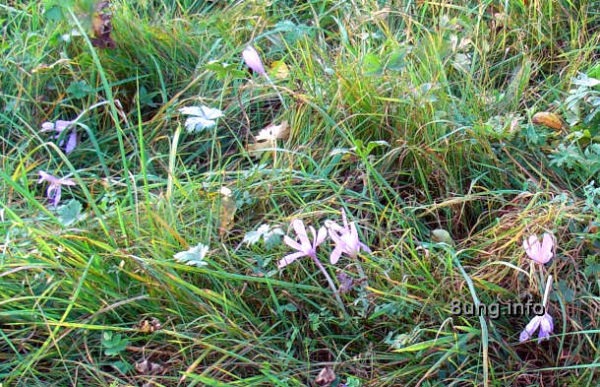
(292, 243)
(546, 324)
(335, 255)
(47, 126)
(321, 235)
(547, 248)
(524, 336)
(45, 176)
(283, 262)
(71, 142)
(532, 247)
(62, 125)
(253, 61)
(300, 229)
(533, 325)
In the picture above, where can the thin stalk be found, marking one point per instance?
(331, 285)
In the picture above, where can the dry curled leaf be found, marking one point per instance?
(102, 26)
(550, 120)
(325, 377)
(149, 326)
(267, 138)
(227, 211)
(346, 282)
(147, 367)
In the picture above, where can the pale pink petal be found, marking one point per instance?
(62, 125)
(546, 251)
(300, 229)
(524, 336)
(532, 247)
(292, 243)
(252, 60)
(533, 325)
(71, 142)
(47, 126)
(53, 193)
(365, 247)
(344, 219)
(335, 255)
(65, 181)
(547, 324)
(321, 235)
(44, 176)
(283, 262)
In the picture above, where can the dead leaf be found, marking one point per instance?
(325, 377)
(227, 211)
(550, 120)
(102, 26)
(267, 138)
(346, 282)
(147, 367)
(149, 326)
(274, 132)
(280, 70)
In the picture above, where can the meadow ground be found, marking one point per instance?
(153, 179)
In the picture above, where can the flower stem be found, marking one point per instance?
(547, 291)
(331, 285)
(277, 91)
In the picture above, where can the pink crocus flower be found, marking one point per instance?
(253, 61)
(58, 127)
(543, 322)
(345, 238)
(305, 248)
(54, 189)
(541, 252)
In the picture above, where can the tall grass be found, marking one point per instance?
(411, 116)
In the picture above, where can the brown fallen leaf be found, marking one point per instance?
(102, 26)
(325, 377)
(550, 120)
(149, 326)
(267, 138)
(227, 211)
(147, 367)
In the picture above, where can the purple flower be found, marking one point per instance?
(345, 238)
(54, 189)
(253, 61)
(305, 247)
(543, 322)
(541, 252)
(58, 127)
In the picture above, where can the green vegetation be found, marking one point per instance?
(448, 132)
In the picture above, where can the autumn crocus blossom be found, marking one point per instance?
(541, 252)
(59, 126)
(305, 248)
(53, 192)
(345, 238)
(253, 61)
(543, 322)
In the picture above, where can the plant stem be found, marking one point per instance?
(331, 285)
